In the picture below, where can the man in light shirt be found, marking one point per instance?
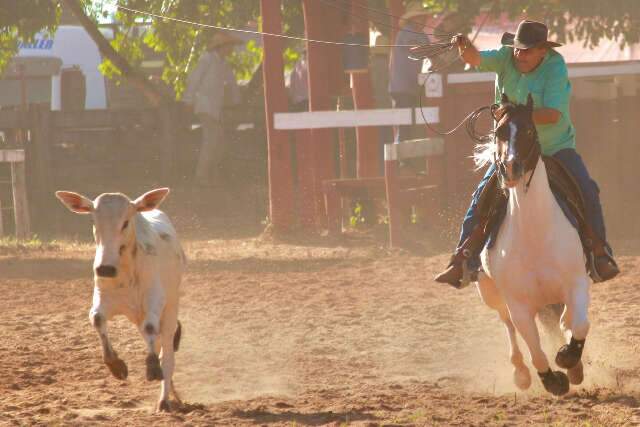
(208, 86)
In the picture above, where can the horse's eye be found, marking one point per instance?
(125, 225)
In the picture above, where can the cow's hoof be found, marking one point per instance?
(555, 382)
(118, 368)
(154, 371)
(163, 406)
(576, 374)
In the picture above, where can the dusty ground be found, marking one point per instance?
(300, 335)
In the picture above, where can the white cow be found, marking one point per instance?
(137, 271)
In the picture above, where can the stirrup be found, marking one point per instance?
(591, 265)
(468, 275)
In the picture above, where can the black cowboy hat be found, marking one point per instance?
(529, 34)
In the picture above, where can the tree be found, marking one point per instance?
(181, 44)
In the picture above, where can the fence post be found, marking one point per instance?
(20, 205)
(281, 204)
(38, 164)
(391, 167)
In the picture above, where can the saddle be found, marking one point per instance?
(492, 202)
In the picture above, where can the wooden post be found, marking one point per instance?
(1, 221)
(367, 137)
(38, 158)
(320, 143)
(391, 169)
(334, 210)
(20, 205)
(281, 205)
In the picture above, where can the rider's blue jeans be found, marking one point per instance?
(573, 162)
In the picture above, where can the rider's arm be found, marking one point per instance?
(467, 51)
(492, 60)
(556, 94)
(546, 116)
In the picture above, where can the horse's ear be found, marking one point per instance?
(504, 99)
(530, 102)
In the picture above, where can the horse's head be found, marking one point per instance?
(517, 148)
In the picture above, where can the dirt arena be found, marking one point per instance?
(293, 334)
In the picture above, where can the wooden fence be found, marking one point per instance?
(95, 151)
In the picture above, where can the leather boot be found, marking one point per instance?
(600, 263)
(454, 272)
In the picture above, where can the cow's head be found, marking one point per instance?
(113, 223)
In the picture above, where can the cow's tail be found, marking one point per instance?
(176, 337)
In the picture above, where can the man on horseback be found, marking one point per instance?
(528, 64)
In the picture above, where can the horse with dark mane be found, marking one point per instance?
(537, 258)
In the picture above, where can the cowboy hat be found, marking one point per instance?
(529, 34)
(414, 9)
(222, 38)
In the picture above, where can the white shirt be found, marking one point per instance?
(207, 83)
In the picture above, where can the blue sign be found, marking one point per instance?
(41, 44)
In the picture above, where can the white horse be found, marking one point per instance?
(537, 258)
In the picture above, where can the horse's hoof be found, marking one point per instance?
(154, 371)
(163, 406)
(576, 374)
(118, 368)
(570, 354)
(555, 382)
(522, 378)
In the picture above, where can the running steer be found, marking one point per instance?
(137, 271)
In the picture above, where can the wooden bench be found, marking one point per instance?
(19, 192)
(400, 191)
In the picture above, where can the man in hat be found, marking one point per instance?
(209, 87)
(528, 64)
(403, 72)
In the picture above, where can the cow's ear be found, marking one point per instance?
(151, 199)
(75, 202)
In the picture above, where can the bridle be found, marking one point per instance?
(503, 114)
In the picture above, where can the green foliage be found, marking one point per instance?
(357, 218)
(23, 18)
(568, 20)
(181, 44)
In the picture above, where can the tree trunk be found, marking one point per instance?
(137, 79)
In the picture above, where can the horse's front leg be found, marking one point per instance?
(98, 318)
(575, 318)
(492, 298)
(555, 382)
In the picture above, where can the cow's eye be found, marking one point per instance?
(125, 225)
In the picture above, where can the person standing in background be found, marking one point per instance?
(403, 72)
(299, 85)
(210, 86)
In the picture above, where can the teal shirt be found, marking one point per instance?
(549, 86)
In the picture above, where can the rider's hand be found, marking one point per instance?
(461, 41)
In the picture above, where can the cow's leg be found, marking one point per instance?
(575, 317)
(554, 382)
(169, 326)
(150, 329)
(99, 321)
(492, 298)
